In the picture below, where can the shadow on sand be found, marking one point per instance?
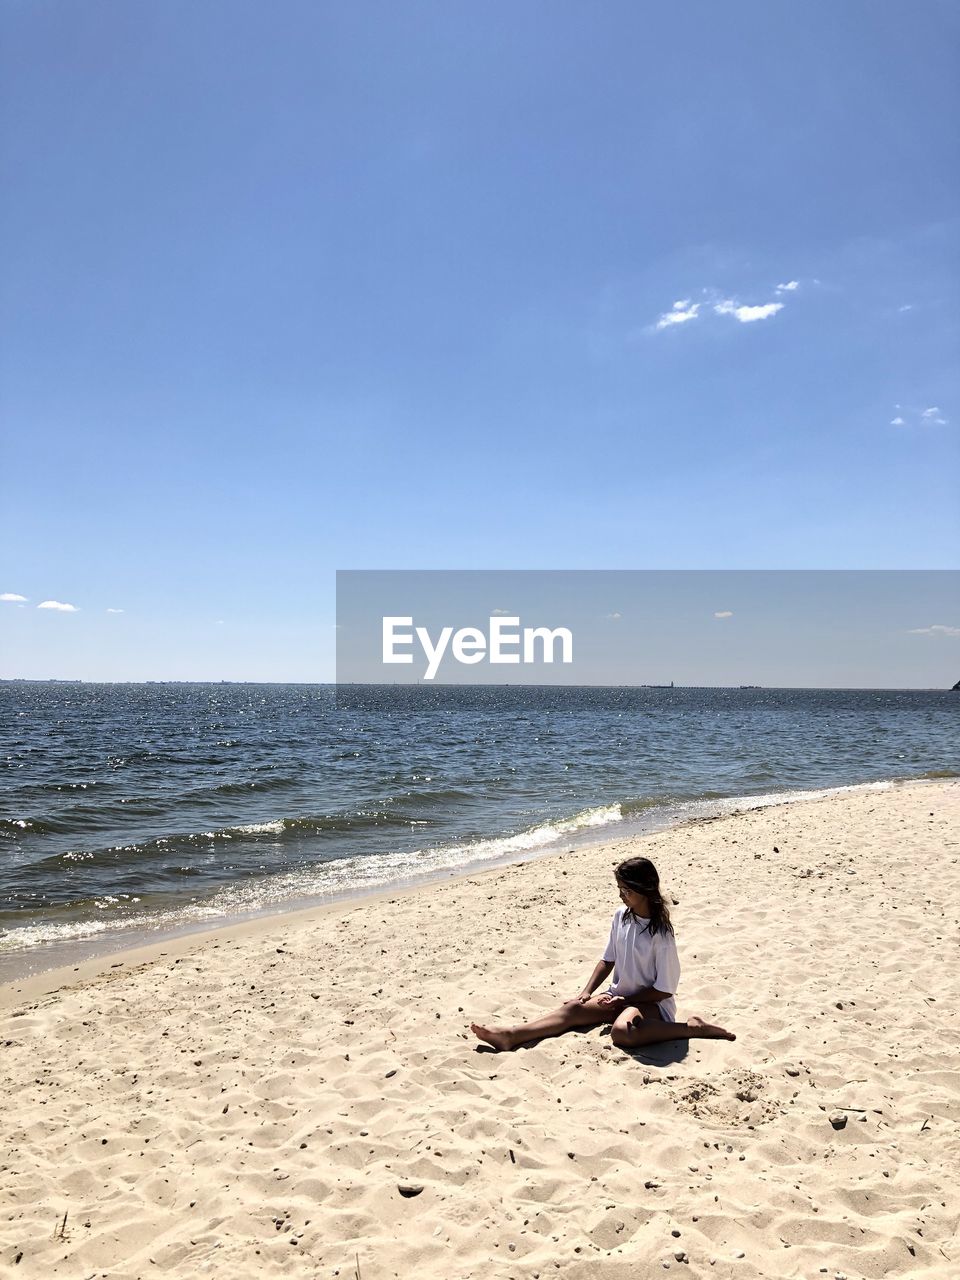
(664, 1054)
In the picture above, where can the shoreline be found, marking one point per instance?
(302, 1098)
(118, 944)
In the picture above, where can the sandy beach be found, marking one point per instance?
(259, 1100)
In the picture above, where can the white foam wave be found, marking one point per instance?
(44, 934)
(250, 829)
(364, 873)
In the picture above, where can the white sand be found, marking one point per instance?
(249, 1102)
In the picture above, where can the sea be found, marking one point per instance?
(132, 811)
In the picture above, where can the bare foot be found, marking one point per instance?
(499, 1040)
(708, 1031)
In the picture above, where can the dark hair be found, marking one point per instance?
(640, 875)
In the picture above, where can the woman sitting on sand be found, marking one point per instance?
(639, 1002)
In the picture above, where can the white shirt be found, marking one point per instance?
(642, 959)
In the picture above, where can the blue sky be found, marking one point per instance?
(296, 288)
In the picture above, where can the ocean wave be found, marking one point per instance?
(294, 828)
(269, 781)
(449, 795)
(98, 814)
(75, 819)
(537, 837)
(272, 891)
(325, 879)
(16, 826)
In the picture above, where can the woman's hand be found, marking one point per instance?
(602, 1000)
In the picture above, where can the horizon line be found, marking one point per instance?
(379, 684)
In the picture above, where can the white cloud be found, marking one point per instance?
(114, 611)
(747, 314)
(680, 313)
(684, 309)
(501, 613)
(907, 306)
(938, 629)
(614, 617)
(933, 415)
(12, 597)
(724, 613)
(907, 416)
(58, 605)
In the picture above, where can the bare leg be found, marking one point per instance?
(638, 1026)
(569, 1015)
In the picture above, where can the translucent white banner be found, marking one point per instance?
(785, 629)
